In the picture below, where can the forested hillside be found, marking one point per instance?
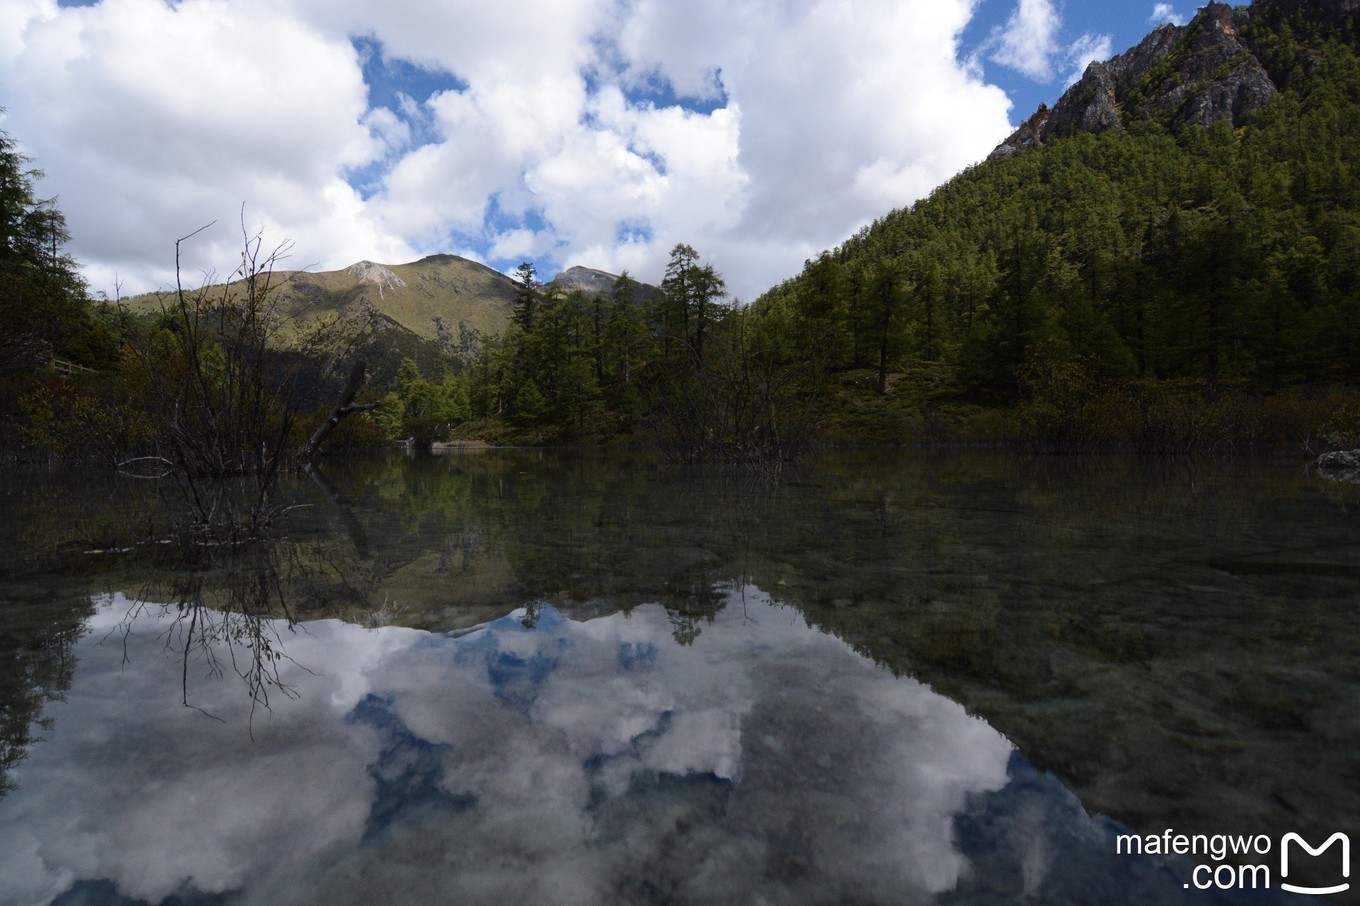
(1154, 249)
(1167, 260)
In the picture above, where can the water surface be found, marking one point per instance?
(512, 678)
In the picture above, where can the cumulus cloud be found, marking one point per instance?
(1031, 43)
(595, 132)
(153, 120)
(1029, 39)
(1086, 50)
(1164, 13)
(836, 120)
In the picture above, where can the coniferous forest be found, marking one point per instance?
(1156, 267)
(1161, 287)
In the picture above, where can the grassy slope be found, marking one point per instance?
(446, 286)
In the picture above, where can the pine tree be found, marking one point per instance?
(526, 295)
(43, 308)
(690, 291)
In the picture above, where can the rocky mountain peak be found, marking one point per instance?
(1201, 73)
(597, 283)
(586, 279)
(375, 274)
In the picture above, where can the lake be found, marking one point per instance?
(512, 677)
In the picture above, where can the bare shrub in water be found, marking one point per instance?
(228, 371)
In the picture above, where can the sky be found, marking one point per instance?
(574, 132)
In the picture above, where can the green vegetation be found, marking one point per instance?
(45, 318)
(1162, 270)
(1155, 288)
(677, 367)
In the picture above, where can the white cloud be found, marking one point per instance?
(1029, 39)
(154, 120)
(798, 124)
(1164, 13)
(1031, 43)
(522, 244)
(393, 131)
(822, 99)
(1086, 50)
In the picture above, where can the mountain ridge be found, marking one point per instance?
(417, 296)
(1209, 70)
(1199, 73)
(1187, 211)
(593, 281)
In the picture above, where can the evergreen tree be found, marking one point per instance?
(526, 295)
(689, 293)
(43, 307)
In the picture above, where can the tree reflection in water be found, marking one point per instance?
(1073, 605)
(229, 609)
(242, 633)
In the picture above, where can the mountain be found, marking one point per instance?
(1202, 73)
(596, 282)
(586, 279)
(444, 287)
(420, 294)
(415, 297)
(1205, 72)
(1187, 211)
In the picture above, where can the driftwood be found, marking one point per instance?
(346, 406)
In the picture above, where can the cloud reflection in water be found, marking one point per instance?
(565, 762)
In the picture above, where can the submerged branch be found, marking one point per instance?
(346, 406)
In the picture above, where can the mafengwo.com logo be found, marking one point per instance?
(1301, 843)
(1237, 862)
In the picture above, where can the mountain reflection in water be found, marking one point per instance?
(541, 759)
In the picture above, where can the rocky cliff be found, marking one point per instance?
(1204, 72)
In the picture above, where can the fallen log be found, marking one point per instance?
(346, 406)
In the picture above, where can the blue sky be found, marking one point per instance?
(592, 132)
(1082, 29)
